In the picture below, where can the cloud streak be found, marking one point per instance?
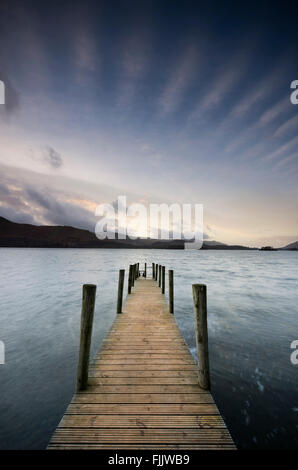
(181, 77)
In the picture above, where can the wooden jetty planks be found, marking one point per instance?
(143, 390)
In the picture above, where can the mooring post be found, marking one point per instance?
(145, 270)
(120, 290)
(153, 271)
(156, 271)
(138, 270)
(129, 279)
(159, 275)
(199, 292)
(88, 303)
(171, 291)
(133, 275)
(163, 279)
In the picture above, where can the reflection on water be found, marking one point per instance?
(252, 315)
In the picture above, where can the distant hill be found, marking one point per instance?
(214, 245)
(14, 234)
(291, 246)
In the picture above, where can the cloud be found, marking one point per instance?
(33, 203)
(136, 52)
(227, 77)
(182, 76)
(281, 150)
(52, 157)
(287, 126)
(85, 51)
(284, 162)
(261, 91)
(274, 112)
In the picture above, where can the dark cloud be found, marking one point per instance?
(21, 202)
(52, 157)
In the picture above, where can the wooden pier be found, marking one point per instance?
(143, 390)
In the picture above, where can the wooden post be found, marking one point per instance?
(199, 292)
(153, 271)
(133, 275)
(163, 279)
(88, 302)
(171, 291)
(130, 278)
(120, 290)
(159, 275)
(138, 269)
(156, 271)
(145, 270)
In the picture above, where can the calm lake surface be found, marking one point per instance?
(252, 314)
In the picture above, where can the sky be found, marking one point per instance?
(161, 101)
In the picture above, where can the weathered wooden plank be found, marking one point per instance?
(144, 362)
(142, 398)
(146, 354)
(159, 436)
(141, 367)
(141, 447)
(112, 380)
(128, 408)
(95, 372)
(142, 421)
(144, 388)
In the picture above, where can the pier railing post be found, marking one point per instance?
(120, 290)
(138, 270)
(159, 275)
(163, 279)
(171, 291)
(153, 271)
(145, 270)
(200, 307)
(88, 303)
(129, 279)
(156, 271)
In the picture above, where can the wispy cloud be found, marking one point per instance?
(292, 158)
(181, 77)
(227, 77)
(280, 151)
(136, 53)
(85, 51)
(288, 126)
(274, 112)
(261, 90)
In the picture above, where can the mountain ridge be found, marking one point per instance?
(13, 234)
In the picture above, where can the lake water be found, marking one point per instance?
(252, 315)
